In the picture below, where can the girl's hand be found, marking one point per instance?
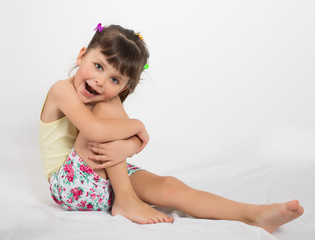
(114, 152)
(144, 137)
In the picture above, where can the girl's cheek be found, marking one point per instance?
(111, 94)
(86, 71)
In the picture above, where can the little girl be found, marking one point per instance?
(83, 123)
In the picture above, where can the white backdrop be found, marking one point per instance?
(228, 80)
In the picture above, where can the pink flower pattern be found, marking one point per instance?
(70, 173)
(77, 187)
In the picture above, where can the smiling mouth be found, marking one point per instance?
(90, 89)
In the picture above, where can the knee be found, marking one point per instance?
(172, 186)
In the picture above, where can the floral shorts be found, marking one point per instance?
(77, 187)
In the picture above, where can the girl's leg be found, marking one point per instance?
(171, 192)
(126, 202)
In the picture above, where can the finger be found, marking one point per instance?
(101, 158)
(109, 163)
(97, 150)
(104, 165)
(96, 144)
(142, 146)
(99, 144)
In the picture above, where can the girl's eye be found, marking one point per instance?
(115, 80)
(98, 66)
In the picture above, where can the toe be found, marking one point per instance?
(170, 219)
(156, 220)
(151, 221)
(145, 221)
(296, 215)
(293, 205)
(161, 219)
(300, 210)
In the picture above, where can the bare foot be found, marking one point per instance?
(272, 216)
(139, 212)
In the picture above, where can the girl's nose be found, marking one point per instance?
(99, 82)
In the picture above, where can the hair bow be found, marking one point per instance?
(146, 67)
(140, 36)
(99, 27)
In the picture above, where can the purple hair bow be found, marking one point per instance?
(99, 27)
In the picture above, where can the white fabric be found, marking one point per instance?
(28, 212)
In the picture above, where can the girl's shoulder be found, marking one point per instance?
(61, 86)
(50, 111)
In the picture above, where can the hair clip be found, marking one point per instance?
(99, 27)
(146, 67)
(140, 36)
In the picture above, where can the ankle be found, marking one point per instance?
(252, 214)
(127, 195)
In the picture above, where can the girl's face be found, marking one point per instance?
(96, 80)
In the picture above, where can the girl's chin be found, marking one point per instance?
(85, 100)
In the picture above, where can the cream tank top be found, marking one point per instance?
(56, 140)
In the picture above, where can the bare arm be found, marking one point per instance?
(93, 128)
(108, 153)
(112, 153)
(136, 143)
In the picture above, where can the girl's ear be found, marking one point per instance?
(81, 55)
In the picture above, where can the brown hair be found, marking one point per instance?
(125, 50)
